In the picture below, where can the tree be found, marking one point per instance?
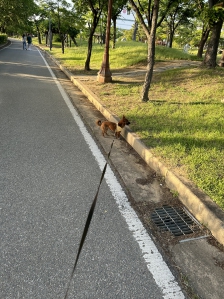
(187, 35)
(73, 32)
(179, 14)
(61, 16)
(135, 30)
(38, 18)
(56, 11)
(215, 15)
(116, 10)
(151, 15)
(200, 16)
(204, 37)
(95, 7)
(14, 15)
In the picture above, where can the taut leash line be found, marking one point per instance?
(88, 221)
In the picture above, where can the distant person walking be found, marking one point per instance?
(29, 41)
(24, 42)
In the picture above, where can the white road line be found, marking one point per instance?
(154, 260)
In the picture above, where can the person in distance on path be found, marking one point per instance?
(24, 42)
(29, 41)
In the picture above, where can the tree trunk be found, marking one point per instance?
(96, 18)
(171, 39)
(74, 40)
(135, 31)
(39, 37)
(62, 36)
(46, 37)
(50, 38)
(204, 37)
(103, 38)
(151, 53)
(211, 53)
(38, 34)
(90, 45)
(149, 72)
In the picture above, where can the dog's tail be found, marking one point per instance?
(99, 122)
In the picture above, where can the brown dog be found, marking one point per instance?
(116, 128)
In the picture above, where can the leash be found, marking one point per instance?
(88, 221)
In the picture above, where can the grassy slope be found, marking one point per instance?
(183, 121)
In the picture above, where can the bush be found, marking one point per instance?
(3, 38)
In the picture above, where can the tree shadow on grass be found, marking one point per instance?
(161, 102)
(71, 58)
(125, 82)
(189, 142)
(170, 132)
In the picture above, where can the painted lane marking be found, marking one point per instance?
(154, 260)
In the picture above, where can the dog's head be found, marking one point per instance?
(123, 122)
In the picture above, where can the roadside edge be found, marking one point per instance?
(203, 209)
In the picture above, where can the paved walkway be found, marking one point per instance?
(50, 170)
(159, 67)
(200, 262)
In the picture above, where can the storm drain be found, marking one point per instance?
(176, 220)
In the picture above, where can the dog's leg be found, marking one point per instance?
(105, 131)
(102, 130)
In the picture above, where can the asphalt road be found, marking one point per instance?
(50, 168)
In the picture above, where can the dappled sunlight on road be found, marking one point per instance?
(29, 76)
(22, 64)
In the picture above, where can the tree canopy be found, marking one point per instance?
(15, 14)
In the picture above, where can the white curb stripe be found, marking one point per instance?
(155, 263)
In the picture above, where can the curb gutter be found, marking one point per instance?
(202, 208)
(5, 45)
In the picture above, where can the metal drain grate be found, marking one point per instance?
(176, 220)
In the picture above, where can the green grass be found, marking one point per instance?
(124, 55)
(182, 123)
(75, 57)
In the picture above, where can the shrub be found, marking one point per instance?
(3, 38)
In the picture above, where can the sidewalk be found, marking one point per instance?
(198, 261)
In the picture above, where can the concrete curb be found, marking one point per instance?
(5, 45)
(202, 208)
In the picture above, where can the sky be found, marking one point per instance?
(125, 21)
